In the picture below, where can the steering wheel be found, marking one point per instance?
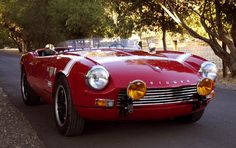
(116, 44)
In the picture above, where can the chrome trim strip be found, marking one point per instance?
(163, 96)
(161, 103)
(167, 92)
(166, 97)
(161, 100)
(171, 92)
(172, 89)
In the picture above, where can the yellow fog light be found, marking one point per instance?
(136, 90)
(205, 87)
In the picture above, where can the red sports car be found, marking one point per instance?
(116, 80)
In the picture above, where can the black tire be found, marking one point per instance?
(68, 120)
(28, 94)
(192, 118)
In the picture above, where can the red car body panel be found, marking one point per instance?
(160, 70)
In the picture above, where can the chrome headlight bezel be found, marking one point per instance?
(208, 70)
(97, 77)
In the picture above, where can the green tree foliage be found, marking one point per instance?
(216, 17)
(35, 23)
(124, 23)
(28, 23)
(79, 19)
(5, 41)
(143, 15)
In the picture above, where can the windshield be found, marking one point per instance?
(101, 43)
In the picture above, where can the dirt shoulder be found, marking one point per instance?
(15, 129)
(226, 83)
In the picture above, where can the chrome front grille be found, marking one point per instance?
(163, 96)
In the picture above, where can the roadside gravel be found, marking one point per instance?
(226, 83)
(15, 130)
(226, 86)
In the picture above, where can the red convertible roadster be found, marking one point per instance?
(116, 80)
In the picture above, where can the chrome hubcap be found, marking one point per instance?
(61, 106)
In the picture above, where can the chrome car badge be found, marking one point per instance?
(51, 71)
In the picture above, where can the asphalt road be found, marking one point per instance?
(216, 129)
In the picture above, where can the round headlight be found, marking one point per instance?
(205, 86)
(208, 70)
(97, 77)
(136, 90)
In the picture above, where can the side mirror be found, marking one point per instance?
(50, 46)
(152, 47)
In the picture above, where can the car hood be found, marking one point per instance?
(157, 70)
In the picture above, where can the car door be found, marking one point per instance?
(35, 71)
(42, 70)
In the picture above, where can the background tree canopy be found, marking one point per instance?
(34, 23)
(78, 18)
(5, 41)
(143, 15)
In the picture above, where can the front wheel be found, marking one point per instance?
(192, 118)
(68, 120)
(28, 94)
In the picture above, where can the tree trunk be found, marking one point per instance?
(164, 39)
(233, 31)
(232, 66)
(223, 62)
(163, 27)
(233, 59)
(19, 48)
(17, 35)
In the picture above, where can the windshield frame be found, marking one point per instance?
(101, 43)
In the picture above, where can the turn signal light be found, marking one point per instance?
(104, 103)
(205, 86)
(136, 90)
